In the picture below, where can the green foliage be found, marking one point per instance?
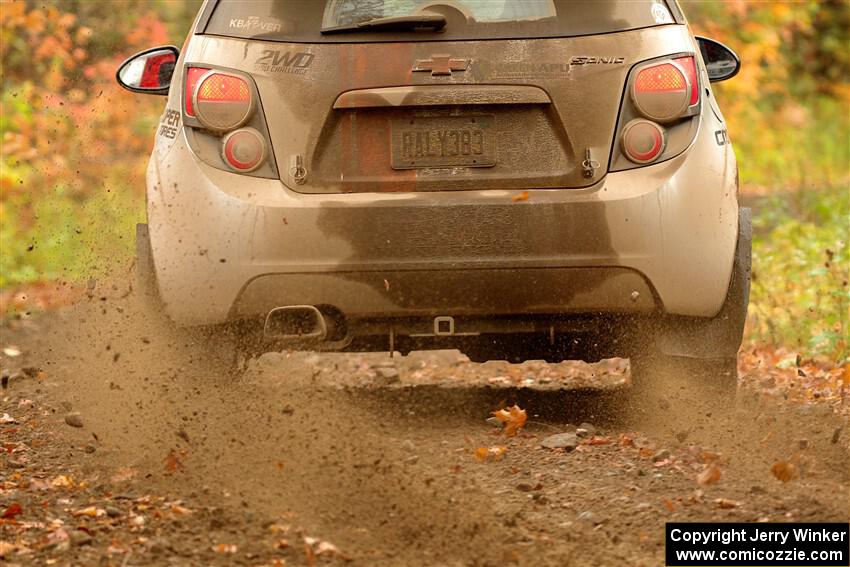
(801, 146)
(800, 295)
(69, 238)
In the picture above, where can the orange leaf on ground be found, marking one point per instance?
(310, 556)
(172, 460)
(495, 453)
(670, 505)
(513, 418)
(784, 471)
(12, 510)
(123, 474)
(709, 475)
(62, 481)
(520, 197)
(91, 512)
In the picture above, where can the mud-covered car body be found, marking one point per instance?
(462, 184)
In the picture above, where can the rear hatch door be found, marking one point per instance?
(510, 94)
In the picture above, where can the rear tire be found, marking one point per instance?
(146, 285)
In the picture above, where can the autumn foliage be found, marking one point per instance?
(75, 147)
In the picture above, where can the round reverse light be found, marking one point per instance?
(662, 92)
(222, 102)
(244, 150)
(643, 141)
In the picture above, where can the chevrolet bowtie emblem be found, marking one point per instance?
(441, 65)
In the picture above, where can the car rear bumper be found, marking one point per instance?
(459, 292)
(659, 238)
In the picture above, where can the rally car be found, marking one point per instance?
(517, 179)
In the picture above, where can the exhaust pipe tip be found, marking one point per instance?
(295, 323)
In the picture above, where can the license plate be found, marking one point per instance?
(445, 141)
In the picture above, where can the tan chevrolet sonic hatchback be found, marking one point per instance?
(518, 179)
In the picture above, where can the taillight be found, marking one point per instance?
(643, 141)
(690, 67)
(193, 74)
(659, 117)
(222, 110)
(222, 102)
(244, 150)
(665, 91)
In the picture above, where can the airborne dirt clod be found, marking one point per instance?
(350, 459)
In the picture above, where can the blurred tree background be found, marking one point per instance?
(75, 147)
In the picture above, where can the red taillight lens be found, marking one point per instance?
(643, 141)
(690, 67)
(221, 101)
(664, 92)
(193, 74)
(244, 150)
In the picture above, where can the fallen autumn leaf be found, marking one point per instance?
(784, 471)
(709, 475)
(513, 418)
(12, 510)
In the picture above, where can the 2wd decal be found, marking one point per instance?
(169, 123)
(277, 61)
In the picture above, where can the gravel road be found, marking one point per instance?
(123, 447)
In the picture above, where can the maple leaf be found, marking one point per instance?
(91, 512)
(495, 453)
(310, 556)
(709, 475)
(726, 504)
(62, 481)
(172, 460)
(179, 510)
(784, 471)
(513, 418)
(12, 510)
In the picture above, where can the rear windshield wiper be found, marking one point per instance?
(435, 22)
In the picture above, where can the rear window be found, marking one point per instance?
(303, 20)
